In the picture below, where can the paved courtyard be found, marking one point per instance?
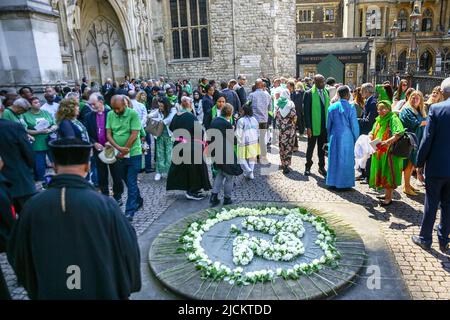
(426, 274)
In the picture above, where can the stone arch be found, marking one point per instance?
(104, 50)
(402, 58)
(119, 20)
(381, 61)
(427, 19)
(426, 59)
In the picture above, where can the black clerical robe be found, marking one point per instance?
(71, 242)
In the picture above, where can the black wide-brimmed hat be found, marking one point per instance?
(70, 151)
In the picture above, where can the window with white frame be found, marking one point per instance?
(304, 15)
(329, 15)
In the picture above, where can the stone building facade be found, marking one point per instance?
(50, 41)
(374, 19)
(318, 19)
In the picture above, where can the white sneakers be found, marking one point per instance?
(249, 175)
(159, 176)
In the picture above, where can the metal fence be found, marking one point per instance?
(424, 83)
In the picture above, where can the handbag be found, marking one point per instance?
(155, 127)
(403, 147)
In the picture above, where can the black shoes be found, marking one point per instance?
(286, 169)
(418, 241)
(140, 203)
(445, 249)
(307, 172)
(323, 172)
(227, 201)
(150, 171)
(214, 200)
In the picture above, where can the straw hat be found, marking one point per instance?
(108, 154)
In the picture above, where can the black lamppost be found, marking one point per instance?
(393, 57)
(411, 65)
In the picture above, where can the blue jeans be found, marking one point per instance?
(132, 166)
(148, 156)
(40, 165)
(437, 193)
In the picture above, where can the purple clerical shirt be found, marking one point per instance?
(101, 131)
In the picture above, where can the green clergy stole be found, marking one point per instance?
(316, 114)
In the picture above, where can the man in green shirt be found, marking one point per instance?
(123, 128)
(16, 111)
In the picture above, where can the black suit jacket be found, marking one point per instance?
(307, 109)
(91, 125)
(434, 151)
(18, 157)
(370, 113)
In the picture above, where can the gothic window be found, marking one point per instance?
(373, 21)
(304, 16)
(190, 34)
(401, 65)
(427, 21)
(329, 15)
(446, 60)
(403, 20)
(425, 61)
(381, 62)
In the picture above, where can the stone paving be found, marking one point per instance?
(427, 274)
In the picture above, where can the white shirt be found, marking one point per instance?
(142, 112)
(52, 109)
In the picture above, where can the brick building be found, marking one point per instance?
(319, 19)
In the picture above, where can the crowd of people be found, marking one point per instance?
(92, 134)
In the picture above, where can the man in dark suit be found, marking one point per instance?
(366, 122)
(7, 218)
(17, 155)
(96, 127)
(107, 86)
(316, 102)
(434, 156)
(240, 90)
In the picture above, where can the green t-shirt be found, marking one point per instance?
(8, 114)
(32, 119)
(121, 127)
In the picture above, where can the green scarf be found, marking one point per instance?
(214, 114)
(383, 121)
(316, 110)
(282, 102)
(172, 99)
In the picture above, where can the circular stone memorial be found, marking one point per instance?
(265, 251)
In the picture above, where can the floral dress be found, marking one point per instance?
(287, 127)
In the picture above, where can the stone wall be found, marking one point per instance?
(262, 44)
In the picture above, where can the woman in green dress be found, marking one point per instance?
(386, 169)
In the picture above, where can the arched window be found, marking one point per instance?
(425, 62)
(427, 21)
(446, 60)
(401, 65)
(381, 62)
(403, 20)
(190, 31)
